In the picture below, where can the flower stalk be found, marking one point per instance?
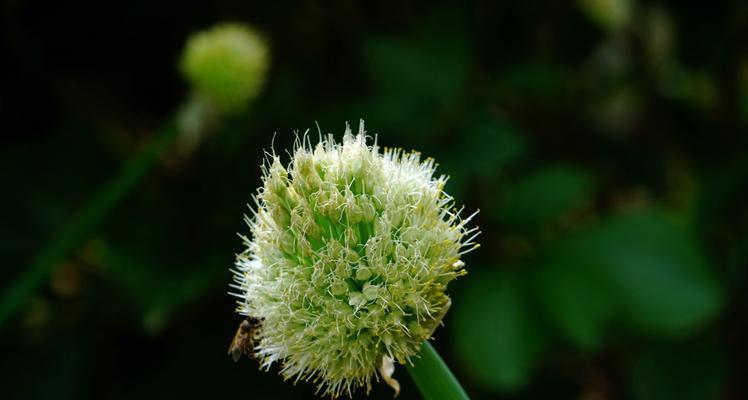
(86, 221)
(433, 377)
(226, 66)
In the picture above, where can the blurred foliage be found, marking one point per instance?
(604, 141)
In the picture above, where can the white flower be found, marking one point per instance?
(350, 256)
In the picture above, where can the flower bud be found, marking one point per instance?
(226, 64)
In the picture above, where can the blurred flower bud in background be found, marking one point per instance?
(226, 64)
(611, 15)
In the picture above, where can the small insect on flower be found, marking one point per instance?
(245, 338)
(348, 263)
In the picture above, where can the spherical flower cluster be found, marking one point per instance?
(350, 256)
(227, 64)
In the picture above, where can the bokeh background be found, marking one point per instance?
(604, 142)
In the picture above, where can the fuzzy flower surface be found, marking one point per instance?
(227, 64)
(350, 255)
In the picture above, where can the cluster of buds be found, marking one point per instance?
(349, 259)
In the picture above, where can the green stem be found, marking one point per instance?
(432, 376)
(77, 231)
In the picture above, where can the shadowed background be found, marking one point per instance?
(604, 142)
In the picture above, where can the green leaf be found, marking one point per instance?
(545, 194)
(641, 267)
(488, 147)
(575, 295)
(638, 270)
(658, 272)
(493, 332)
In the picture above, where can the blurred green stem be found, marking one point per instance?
(432, 376)
(80, 227)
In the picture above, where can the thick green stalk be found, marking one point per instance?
(80, 227)
(432, 376)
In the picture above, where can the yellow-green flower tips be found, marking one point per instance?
(227, 64)
(349, 260)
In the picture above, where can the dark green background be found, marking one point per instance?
(609, 162)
